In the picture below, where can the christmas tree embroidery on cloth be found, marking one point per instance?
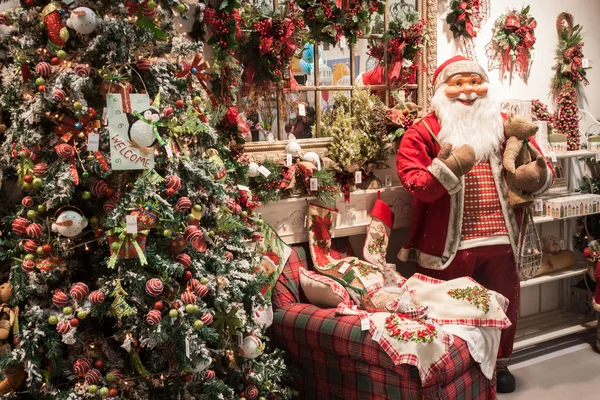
(476, 295)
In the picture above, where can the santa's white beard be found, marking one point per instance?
(479, 125)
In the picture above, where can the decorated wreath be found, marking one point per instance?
(267, 51)
(465, 19)
(406, 38)
(512, 43)
(330, 20)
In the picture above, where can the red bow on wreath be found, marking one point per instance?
(197, 69)
(466, 16)
(525, 32)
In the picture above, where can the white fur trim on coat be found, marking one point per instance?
(445, 176)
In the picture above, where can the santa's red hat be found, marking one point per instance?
(456, 65)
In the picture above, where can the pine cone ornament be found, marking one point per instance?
(277, 27)
(276, 47)
(413, 37)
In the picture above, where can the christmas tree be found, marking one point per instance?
(127, 244)
(566, 120)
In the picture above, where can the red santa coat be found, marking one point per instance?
(439, 199)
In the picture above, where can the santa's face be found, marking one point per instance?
(465, 88)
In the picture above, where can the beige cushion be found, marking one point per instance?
(321, 290)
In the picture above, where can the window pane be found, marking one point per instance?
(261, 113)
(293, 105)
(397, 6)
(303, 66)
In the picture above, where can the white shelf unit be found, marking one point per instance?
(544, 312)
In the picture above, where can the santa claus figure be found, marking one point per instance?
(451, 162)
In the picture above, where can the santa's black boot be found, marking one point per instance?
(505, 380)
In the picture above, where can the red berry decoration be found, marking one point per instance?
(187, 275)
(143, 64)
(65, 150)
(74, 322)
(79, 291)
(170, 192)
(228, 256)
(158, 305)
(96, 297)
(99, 364)
(28, 178)
(183, 204)
(153, 317)
(47, 248)
(188, 298)
(173, 182)
(179, 104)
(55, 61)
(113, 392)
(59, 95)
(41, 89)
(28, 266)
(167, 112)
(82, 70)
(43, 69)
(192, 234)
(92, 377)
(19, 225)
(184, 259)
(27, 202)
(31, 246)
(99, 188)
(59, 298)
(207, 319)
(40, 169)
(154, 287)
(187, 378)
(63, 327)
(82, 366)
(35, 231)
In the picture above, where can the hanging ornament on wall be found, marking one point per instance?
(511, 47)
(465, 19)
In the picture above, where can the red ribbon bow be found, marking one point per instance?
(197, 69)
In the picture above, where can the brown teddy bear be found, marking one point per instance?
(519, 152)
(13, 375)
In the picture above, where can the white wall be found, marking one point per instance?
(585, 12)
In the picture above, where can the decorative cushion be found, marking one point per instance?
(322, 291)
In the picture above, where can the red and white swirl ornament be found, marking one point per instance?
(31, 246)
(43, 69)
(79, 291)
(207, 319)
(59, 298)
(63, 327)
(143, 64)
(40, 169)
(19, 225)
(153, 318)
(192, 234)
(96, 297)
(173, 182)
(35, 231)
(27, 201)
(188, 298)
(92, 377)
(184, 259)
(82, 366)
(183, 204)
(99, 188)
(251, 392)
(28, 266)
(82, 70)
(154, 287)
(59, 95)
(65, 151)
(209, 375)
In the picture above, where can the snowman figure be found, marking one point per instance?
(251, 347)
(141, 131)
(83, 20)
(70, 223)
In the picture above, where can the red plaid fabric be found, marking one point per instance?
(339, 361)
(335, 287)
(483, 215)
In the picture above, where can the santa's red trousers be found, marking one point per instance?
(493, 267)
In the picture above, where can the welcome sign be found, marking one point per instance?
(126, 154)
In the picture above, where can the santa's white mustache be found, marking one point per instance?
(464, 96)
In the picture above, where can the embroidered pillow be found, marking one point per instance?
(321, 290)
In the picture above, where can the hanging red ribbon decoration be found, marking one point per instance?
(197, 69)
(525, 32)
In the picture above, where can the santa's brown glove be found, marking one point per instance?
(531, 177)
(460, 161)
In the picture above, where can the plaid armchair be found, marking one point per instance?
(339, 361)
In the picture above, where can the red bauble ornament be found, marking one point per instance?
(92, 377)
(63, 327)
(35, 231)
(28, 266)
(167, 112)
(177, 244)
(99, 188)
(82, 366)
(96, 297)
(79, 291)
(187, 378)
(187, 275)
(188, 298)
(113, 392)
(183, 204)
(143, 64)
(59, 298)
(173, 182)
(154, 287)
(65, 150)
(43, 69)
(179, 104)
(28, 178)
(41, 89)
(153, 318)
(40, 169)
(19, 225)
(99, 364)
(55, 61)
(184, 259)
(27, 201)
(47, 248)
(158, 305)
(31, 246)
(59, 95)
(74, 322)
(228, 256)
(170, 192)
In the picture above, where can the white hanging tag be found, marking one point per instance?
(358, 177)
(597, 157)
(314, 184)
(93, 143)
(301, 109)
(377, 335)
(264, 171)
(132, 226)
(539, 205)
(401, 95)
(306, 221)
(388, 180)
(532, 54)
(553, 157)
(240, 339)
(562, 244)
(344, 268)
(585, 63)
(187, 347)
(364, 324)
(169, 149)
(288, 159)
(105, 116)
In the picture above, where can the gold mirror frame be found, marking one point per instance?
(275, 150)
